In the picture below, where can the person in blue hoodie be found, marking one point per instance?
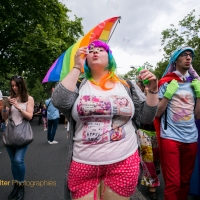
(53, 119)
(179, 107)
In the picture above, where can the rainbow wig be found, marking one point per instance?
(110, 68)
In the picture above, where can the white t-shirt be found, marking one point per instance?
(104, 131)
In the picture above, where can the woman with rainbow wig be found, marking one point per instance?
(103, 111)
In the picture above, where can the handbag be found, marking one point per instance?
(17, 135)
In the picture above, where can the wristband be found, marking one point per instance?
(4, 110)
(78, 69)
(152, 92)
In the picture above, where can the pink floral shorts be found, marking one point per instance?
(120, 177)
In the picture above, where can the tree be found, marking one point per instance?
(186, 34)
(32, 35)
(160, 69)
(38, 92)
(133, 74)
(5, 86)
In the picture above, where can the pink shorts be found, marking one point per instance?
(120, 177)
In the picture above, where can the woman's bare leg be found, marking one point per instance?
(90, 196)
(108, 194)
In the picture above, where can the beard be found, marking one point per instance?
(186, 67)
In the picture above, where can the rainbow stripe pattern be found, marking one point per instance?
(62, 66)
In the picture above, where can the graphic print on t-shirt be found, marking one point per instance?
(117, 134)
(182, 106)
(103, 118)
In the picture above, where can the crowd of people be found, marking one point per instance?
(117, 127)
(49, 116)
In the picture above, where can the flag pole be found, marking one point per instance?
(118, 21)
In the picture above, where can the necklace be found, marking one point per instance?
(18, 100)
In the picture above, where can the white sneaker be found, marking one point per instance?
(53, 142)
(45, 129)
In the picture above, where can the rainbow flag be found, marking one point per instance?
(65, 62)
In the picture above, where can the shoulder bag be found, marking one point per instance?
(17, 135)
(47, 108)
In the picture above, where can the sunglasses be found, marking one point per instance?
(16, 77)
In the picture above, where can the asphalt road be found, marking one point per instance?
(45, 168)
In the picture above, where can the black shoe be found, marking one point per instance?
(20, 193)
(13, 194)
(153, 196)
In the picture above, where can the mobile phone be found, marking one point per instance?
(6, 103)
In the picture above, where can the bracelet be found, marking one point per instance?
(152, 92)
(4, 110)
(78, 69)
(20, 110)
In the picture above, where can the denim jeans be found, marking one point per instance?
(17, 162)
(51, 130)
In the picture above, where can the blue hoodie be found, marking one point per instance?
(52, 112)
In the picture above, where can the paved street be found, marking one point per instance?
(45, 166)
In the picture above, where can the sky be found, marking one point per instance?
(137, 38)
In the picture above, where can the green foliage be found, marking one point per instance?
(5, 86)
(148, 66)
(188, 33)
(38, 92)
(133, 74)
(158, 72)
(33, 34)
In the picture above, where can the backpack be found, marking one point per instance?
(45, 113)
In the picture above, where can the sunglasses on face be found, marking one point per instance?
(16, 77)
(191, 55)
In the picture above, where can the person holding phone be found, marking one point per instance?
(22, 106)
